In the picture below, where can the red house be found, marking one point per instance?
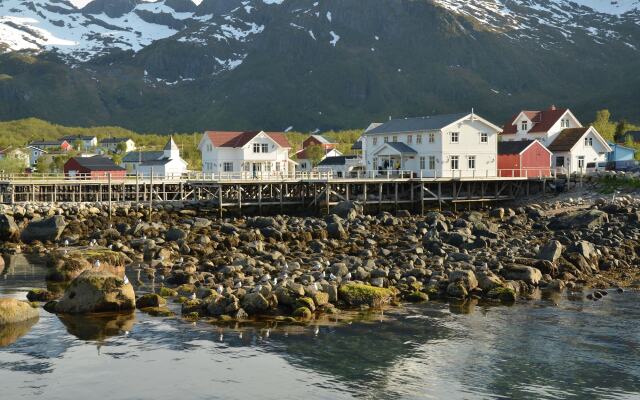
(93, 167)
(523, 158)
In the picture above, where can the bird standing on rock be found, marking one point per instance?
(126, 280)
(332, 277)
(193, 296)
(96, 264)
(348, 276)
(219, 289)
(66, 243)
(238, 285)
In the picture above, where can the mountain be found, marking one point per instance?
(174, 65)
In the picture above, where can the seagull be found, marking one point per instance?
(110, 247)
(332, 277)
(317, 285)
(66, 242)
(126, 280)
(221, 337)
(193, 296)
(96, 264)
(275, 281)
(316, 330)
(348, 276)
(219, 289)
(267, 333)
(286, 266)
(238, 285)
(265, 278)
(258, 288)
(181, 260)
(240, 335)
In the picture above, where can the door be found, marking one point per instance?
(559, 161)
(257, 168)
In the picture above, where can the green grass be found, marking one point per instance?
(610, 184)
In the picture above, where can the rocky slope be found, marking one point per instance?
(173, 65)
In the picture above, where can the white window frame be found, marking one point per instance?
(484, 137)
(418, 139)
(395, 138)
(409, 139)
(588, 142)
(580, 162)
(471, 162)
(524, 126)
(256, 147)
(227, 166)
(422, 162)
(455, 163)
(386, 139)
(432, 137)
(455, 137)
(432, 163)
(264, 147)
(375, 140)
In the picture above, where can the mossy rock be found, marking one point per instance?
(320, 298)
(180, 299)
(14, 311)
(42, 295)
(192, 316)
(69, 265)
(359, 294)
(504, 294)
(166, 292)
(158, 311)
(416, 297)
(186, 289)
(226, 318)
(97, 291)
(150, 300)
(306, 302)
(191, 306)
(302, 313)
(114, 258)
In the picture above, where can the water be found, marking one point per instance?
(539, 350)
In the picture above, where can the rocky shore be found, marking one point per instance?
(294, 268)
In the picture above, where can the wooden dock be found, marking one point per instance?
(317, 191)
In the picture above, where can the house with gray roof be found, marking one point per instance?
(448, 145)
(165, 162)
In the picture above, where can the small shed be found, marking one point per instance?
(523, 159)
(93, 167)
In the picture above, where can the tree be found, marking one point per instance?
(121, 147)
(604, 126)
(314, 153)
(621, 129)
(44, 164)
(11, 165)
(78, 145)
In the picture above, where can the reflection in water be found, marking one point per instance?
(98, 326)
(11, 332)
(553, 347)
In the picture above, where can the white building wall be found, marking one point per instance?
(213, 158)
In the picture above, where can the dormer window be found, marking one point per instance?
(588, 142)
(525, 126)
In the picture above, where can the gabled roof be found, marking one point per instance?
(38, 143)
(517, 146)
(337, 160)
(115, 140)
(171, 145)
(322, 139)
(239, 139)
(428, 123)
(372, 125)
(161, 161)
(137, 156)
(400, 147)
(72, 138)
(542, 120)
(567, 139)
(97, 163)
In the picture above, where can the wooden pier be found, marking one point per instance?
(317, 191)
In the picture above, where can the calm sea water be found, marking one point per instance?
(539, 350)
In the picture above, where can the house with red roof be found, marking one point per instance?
(330, 150)
(249, 153)
(575, 148)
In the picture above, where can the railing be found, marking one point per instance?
(278, 176)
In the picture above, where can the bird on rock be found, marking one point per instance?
(66, 243)
(332, 277)
(96, 264)
(219, 289)
(193, 296)
(238, 285)
(126, 280)
(348, 276)
(258, 288)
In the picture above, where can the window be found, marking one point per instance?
(303, 165)
(580, 162)
(454, 162)
(484, 137)
(256, 147)
(525, 126)
(209, 147)
(422, 163)
(267, 167)
(395, 138)
(455, 137)
(409, 139)
(375, 164)
(386, 139)
(432, 137)
(472, 162)
(564, 123)
(278, 166)
(265, 147)
(588, 142)
(375, 140)
(419, 139)
(227, 167)
(432, 162)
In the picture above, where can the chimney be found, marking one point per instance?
(553, 107)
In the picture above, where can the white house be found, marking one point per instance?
(113, 143)
(340, 166)
(39, 148)
(453, 145)
(87, 142)
(578, 149)
(573, 146)
(250, 153)
(165, 163)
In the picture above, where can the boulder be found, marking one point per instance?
(150, 300)
(457, 290)
(97, 291)
(347, 209)
(336, 231)
(48, 229)
(550, 251)
(173, 234)
(524, 273)
(467, 277)
(358, 294)
(8, 228)
(42, 295)
(587, 219)
(254, 303)
(13, 311)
